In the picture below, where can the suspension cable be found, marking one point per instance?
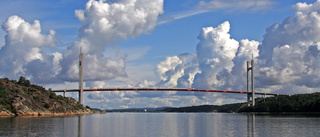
(54, 70)
(57, 75)
(65, 78)
(74, 79)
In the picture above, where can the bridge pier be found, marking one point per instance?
(81, 78)
(252, 95)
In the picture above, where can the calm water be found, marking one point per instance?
(163, 125)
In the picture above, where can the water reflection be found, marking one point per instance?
(250, 125)
(80, 126)
(162, 124)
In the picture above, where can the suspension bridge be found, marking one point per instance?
(250, 86)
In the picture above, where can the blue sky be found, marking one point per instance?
(59, 16)
(166, 51)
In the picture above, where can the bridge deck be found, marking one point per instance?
(166, 89)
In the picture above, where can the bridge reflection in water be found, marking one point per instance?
(250, 125)
(191, 124)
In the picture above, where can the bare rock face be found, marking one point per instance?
(23, 99)
(4, 112)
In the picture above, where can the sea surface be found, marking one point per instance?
(163, 125)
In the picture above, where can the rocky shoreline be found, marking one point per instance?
(41, 114)
(20, 98)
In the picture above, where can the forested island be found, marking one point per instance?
(295, 103)
(299, 103)
(20, 98)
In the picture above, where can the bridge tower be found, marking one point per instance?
(252, 95)
(81, 78)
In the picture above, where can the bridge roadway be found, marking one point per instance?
(166, 89)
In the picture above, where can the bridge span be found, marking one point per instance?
(250, 95)
(167, 89)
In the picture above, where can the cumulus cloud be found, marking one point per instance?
(177, 71)
(154, 100)
(217, 55)
(106, 23)
(235, 79)
(286, 59)
(289, 52)
(215, 52)
(23, 53)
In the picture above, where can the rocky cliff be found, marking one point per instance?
(20, 98)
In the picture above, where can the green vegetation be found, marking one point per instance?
(229, 108)
(78, 106)
(47, 106)
(88, 107)
(294, 103)
(22, 81)
(3, 98)
(52, 95)
(35, 97)
(3, 92)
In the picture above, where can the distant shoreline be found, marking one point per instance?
(256, 113)
(299, 104)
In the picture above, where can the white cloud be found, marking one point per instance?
(236, 5)
(106, 23)
(23, 52)
(177, 71)
(215, 52)
(290, 51)
(217, 55)
(286, 61)
(168, 18)
(214, 5)
(218, 101)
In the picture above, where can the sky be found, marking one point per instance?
(162, 43)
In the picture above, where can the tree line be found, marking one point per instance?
(294, 103)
